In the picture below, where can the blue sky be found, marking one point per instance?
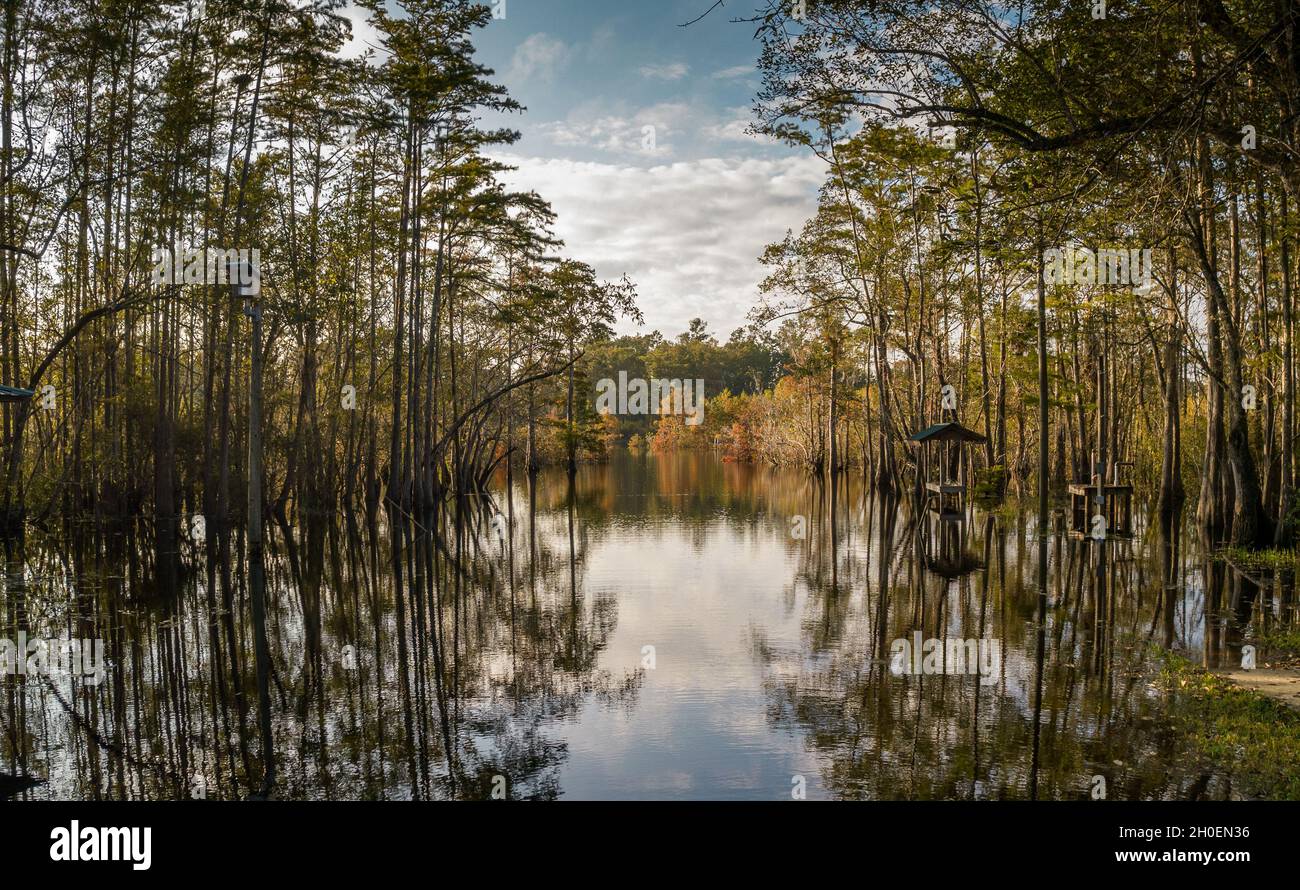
(635, 132)
(578, 64)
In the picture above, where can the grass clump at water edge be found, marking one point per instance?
(1242, 732)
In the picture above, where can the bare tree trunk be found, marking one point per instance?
(1042, 386)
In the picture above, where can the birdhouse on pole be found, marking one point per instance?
(244, 273)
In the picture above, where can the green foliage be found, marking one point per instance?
(1283, 643)
(1269, 558)
(990, 483)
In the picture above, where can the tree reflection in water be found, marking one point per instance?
(496, 645)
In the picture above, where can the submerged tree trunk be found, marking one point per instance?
(256, 560)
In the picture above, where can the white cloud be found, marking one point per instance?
(735, 128)
(671, 71)
(603, 44)
(365, 36)
(733, 72)
(688, 234)
(646, 133)
(675, 125)
(538, 58)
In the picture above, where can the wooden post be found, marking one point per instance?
(1100, 468)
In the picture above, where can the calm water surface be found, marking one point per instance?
(666, 627)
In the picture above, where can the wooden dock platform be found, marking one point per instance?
(1116, 506)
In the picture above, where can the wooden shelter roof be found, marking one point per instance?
(14, 394)
(947, 432)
